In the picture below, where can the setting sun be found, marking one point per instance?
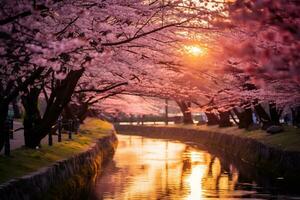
(194, 50)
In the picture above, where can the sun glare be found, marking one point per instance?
(194, 50)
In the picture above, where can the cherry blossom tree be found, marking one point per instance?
(65, 39)
(74, 54)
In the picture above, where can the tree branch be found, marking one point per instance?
(102, 90)
(144, 34)
(64, 29)
(11, 19)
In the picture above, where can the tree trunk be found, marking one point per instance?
(224, 119)
(30, 134)
(245, 117)
(17, 113)
(8, 95)
(185, 109)
(296, 116)
(166, 112)
(3, 116)
(212, 118)
(32, 117)
(83, 112)
(74, 111)
(265, 119)
(187, 118)
(275, 113)
(263, 116)
(58, 99)
(68, 112)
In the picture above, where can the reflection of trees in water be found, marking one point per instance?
(247, 174)
(167, 189)
(250, 176)
(110, 170)
(169, 175)
(173, 171)
(218, 179)
(186, 166)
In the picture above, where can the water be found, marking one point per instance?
(145, 168)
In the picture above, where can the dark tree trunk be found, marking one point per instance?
(17, 113)
(232, 115)
(30, 134)
(8, 94)
(263, 116)
(187, 118)
(224, 119)
(3, 116)
(185, 109)
(58, 99)
(265, 119)
(245, 117)
(296, 116)
(83, 112)
(32, 116)
(212, 118)
(74, 111)
(69, 112)
(275, 113)
(93, 113)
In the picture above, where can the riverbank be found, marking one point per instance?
(289, 140)
(36, 174)
(275, 155)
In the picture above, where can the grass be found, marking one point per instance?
(289, 140)
(24, 161)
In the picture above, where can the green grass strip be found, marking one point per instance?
(24, 160)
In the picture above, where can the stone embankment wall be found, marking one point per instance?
(272, 161)
(71, 178)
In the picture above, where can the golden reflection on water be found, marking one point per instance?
(158, 169)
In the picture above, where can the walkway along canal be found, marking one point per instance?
(150, 168)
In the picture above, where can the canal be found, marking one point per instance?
(146, 168)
